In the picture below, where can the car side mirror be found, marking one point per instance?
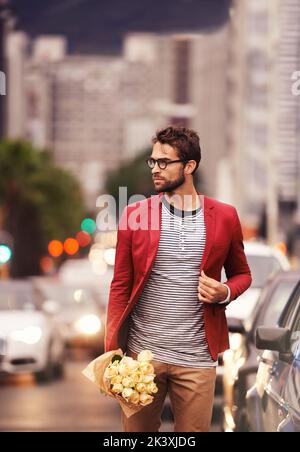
(273, 338)
(236, 325)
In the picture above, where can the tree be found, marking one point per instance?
(135, 175)
(38, 202)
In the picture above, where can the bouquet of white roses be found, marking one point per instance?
(129, 381)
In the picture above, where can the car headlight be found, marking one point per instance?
(30, 335)
(88, 324)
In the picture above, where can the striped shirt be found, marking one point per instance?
(168, 319)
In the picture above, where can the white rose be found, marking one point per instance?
(148, 378)
(128, 382)
(134, 398)
(145, 399)
(117, 388)
(152, 388)
(141, 387)
(137, 376)
(132, 364)
(145, 355)
(111, 372)
(116, 380)
(146, 367)
(124, 369)
(127, 392)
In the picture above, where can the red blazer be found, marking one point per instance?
(137, 245)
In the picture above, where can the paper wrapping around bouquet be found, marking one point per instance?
(95, 372)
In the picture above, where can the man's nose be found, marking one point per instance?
(156, 168)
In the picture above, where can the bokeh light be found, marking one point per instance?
(5, 254)
(96, 253)
(47, 264)
(71, 246)
(109, 256)
(88, 225)
(55, 248)
(83, 238)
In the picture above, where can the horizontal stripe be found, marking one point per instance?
(168, 319)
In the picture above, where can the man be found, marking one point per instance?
(166, 295)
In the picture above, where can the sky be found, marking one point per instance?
(97, 26)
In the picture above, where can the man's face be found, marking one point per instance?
(172, 176)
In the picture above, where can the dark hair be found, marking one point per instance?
(185, 141)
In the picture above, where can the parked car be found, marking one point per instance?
(79, 311)
(31, 338)
(241, 361)
(264, 261)
(82, 272)
(273, 403)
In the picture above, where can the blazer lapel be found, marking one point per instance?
(210, 224)
(154, 225)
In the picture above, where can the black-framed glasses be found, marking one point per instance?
(162, 163)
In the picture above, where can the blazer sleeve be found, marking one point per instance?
(236, 266)
(122, 282)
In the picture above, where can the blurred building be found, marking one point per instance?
(17, 54)
(288, 114)
(95, 112)
(6, 24)
(189, 87)
(208, 65)
(263, 117)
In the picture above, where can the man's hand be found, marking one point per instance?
(210, 290)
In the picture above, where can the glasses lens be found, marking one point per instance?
(150, 163)
(162, 164)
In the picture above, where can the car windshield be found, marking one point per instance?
(13, 298)
(278, 301)
(68, 296)
(261, 268)
(269, 309)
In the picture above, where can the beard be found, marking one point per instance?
(168, 186)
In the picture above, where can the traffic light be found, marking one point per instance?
(6, 247)
(88, 225)
(5, 254)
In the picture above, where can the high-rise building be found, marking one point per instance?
(17, 54)
(189, 86)
(288, 108)
(263, 116)
(6, 23)
(93, 112)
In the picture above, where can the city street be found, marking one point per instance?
(150, 210)
(72, 404)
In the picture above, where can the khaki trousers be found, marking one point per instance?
(191, 393)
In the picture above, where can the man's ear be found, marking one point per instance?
(190, 166)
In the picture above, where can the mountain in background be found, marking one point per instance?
(98, 26)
